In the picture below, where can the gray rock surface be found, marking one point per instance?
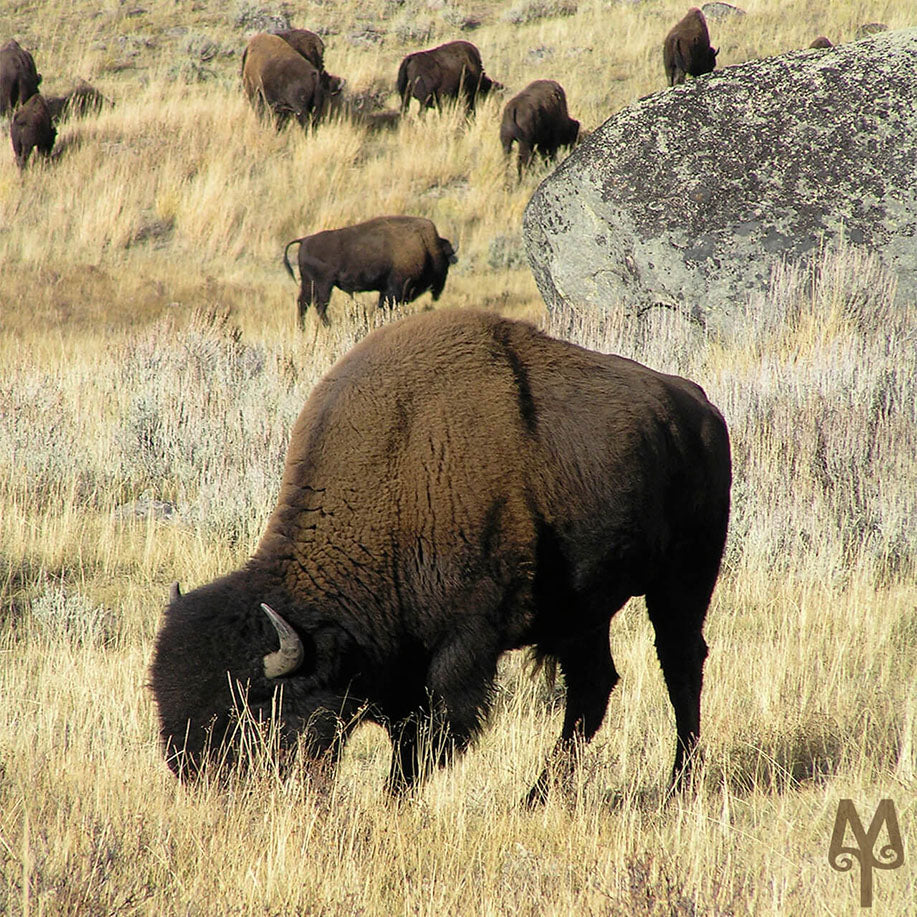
(721, 11)
(690, 198)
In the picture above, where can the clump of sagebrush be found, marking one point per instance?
(533, 10)
(63, 612)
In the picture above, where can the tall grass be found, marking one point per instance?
(152, 370)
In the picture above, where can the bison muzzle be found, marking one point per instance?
(458, 485)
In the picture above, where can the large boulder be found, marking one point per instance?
(691, 197)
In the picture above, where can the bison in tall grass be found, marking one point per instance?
(536, 119)
(282, 84)
(458, 485)
(32, 129)
(401, 257)
(687, 48)
(19, 79)
(450, 71)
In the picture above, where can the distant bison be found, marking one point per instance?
(450, 71)
(83, 99)
(306, 43)
(19, 80)
(458, 485)
(281, 82)
(400, 256)
(687, 48)
(821, 42)
(31, 129)
(537, 120)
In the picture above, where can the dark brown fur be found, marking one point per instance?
(31, 129)
(450, 71)
(19, 80)
(399, 256)
(537, 120)
(281, 83)
(306, 43)
(459, 485)
(821, 42)
(82, 100)
(687, 48)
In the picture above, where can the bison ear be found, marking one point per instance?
(174, 592)
(714, 52)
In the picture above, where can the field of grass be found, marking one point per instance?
(151, 370)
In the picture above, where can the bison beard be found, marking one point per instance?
(458, 485)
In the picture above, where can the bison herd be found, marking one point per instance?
(284, 78)
(457, 486)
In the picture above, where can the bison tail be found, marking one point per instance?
(286, 260)
(401, 83)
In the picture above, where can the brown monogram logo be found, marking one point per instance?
(890, 856)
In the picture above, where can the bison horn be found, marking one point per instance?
(174, 592)
(288, 658)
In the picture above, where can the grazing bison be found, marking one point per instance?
(31, 129)
(821, 42)
(458, 485)
(450, 71)
(687, 48)
(83, 99)
(537, 120)
(281, 81)
(19, 80)
(400, 256)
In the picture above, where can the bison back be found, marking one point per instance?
(465, 435)
(305, 43)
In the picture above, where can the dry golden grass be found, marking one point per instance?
(149, 353)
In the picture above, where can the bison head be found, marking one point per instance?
(570, 133)
(711, 60)
(449, 252)
(232, 678)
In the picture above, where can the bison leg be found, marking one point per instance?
(460, 683)
(314, 292)
(590, 676)
(525, 156)
(677, 613)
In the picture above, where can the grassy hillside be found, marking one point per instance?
(150, 372)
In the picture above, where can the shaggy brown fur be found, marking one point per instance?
(282, 83)
(82, 100)
(537, 120)
(821, 42)
(400, 256)
(31, 129)
(687, 48)
(450, 71)
(19, 80)
(459, 485)
(306, 43)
